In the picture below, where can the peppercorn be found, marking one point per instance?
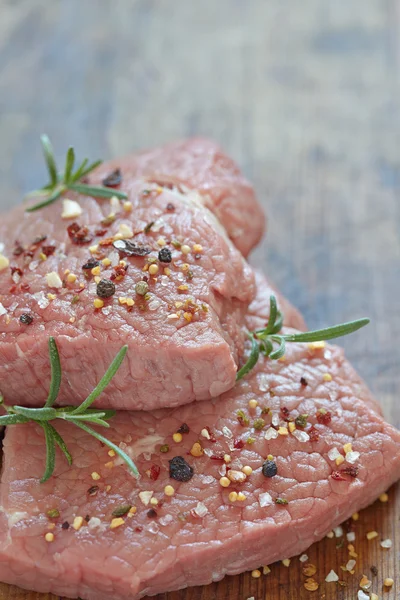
(184, 428)
(165, 255)
(269, 468)
(151, 513)
(170, 206)
(303, 381)
(259, 424)
(141, 288)
(113, 179)
(65, 525)
(105, 288)
(180, 470)
(26, 319)
(281, 501)
(90, 264)
(301, 421)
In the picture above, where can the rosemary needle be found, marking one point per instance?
(270, 342)
(69, 179)
(79, 416)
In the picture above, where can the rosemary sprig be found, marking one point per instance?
(69, 180)
(78, 416)
(271, 343)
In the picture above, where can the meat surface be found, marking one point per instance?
(185, 335)
(203, 531)
(200, 164)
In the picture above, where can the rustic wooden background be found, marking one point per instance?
(305, 95)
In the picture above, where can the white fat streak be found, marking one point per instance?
(15, 517)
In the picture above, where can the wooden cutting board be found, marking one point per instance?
(305, 95)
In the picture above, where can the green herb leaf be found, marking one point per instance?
(36, 414)
(114, 447)
(50, 452)
(49, 158)
(61, 444)
(96, 192)
(55, 372)
(100, 387)
(12, 420)
(69, 180)
(263, 339)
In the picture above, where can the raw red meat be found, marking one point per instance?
(198, 535)
(185, 337)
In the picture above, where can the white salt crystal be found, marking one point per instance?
(263, 383)
(222, 470)
(301, 436)
(71, 209)
(352, 457)
(33, 265)
(350, 565)
(115, 205)
(351, 536)
(2, 310)
(227, 432)
(275, 419)
(271, 434)
(362, 595)
(53, 280)
(165, 520)
(332, 576)
(145, 497)
(303, 558)
(153, 528)
(338, 531)
(201, 509)
(125, 231)
(94, 523)
(114, 258)
(41, 299)
(333, 454)
(154, 304)
(387, 544)
(265, 499)
(207, 479)
(208, 452)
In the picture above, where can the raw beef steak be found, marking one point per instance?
(158, 274)
(310, 454)
(199, 164)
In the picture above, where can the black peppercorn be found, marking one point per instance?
(184, 428)
(26, 319)
(65, 525)
(165, 255)
(303, 381)
(151, 513)
(179, 469)
(113, 179)
(105, 288)
(90, 264)
(269, 468)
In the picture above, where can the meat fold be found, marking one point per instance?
(199, 164)
(203, 531)
(181, 287)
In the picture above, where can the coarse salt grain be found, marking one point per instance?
(303, 558)
(263, 385)
(265, 499)
(145, 497)
(115, 204)
(351, 536)
(71, 209)
(362, 595)
(387, 544)
(338, 531)
(2, 310)
(54, 280)
(201, 509)
(332, 576)
(301, 436)
(271, 434)
(275, 420)
(333, 454)
(227, 432)
(352, 457)
(166, 520)
(350, 565)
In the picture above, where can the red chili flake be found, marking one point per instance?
(184, 428)
(18, 250)
(16, 271)
(314, 434)
(170, 207)
(154, 472)
(285, 413)
(324, 417)
(48, 250)
(106, 242)
(238, 444)
(210, 433)
(100, 232)
(337, 476)
(219, 456)
(139, 529)
(119, 273)
(114, 179)
(25, 287)
(12, 289)
(303, 381)
(79, 235)
(351, 470)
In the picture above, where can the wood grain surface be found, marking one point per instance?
(305, 95)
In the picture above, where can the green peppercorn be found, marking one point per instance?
(164, 449)
(259, 424)
(141, 288)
